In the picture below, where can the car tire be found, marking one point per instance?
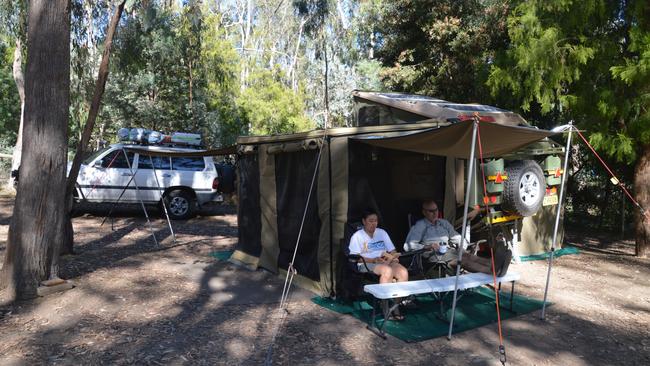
(523, 192)
(181, 204)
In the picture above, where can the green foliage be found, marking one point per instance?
(369, 71)
(150, 76)
(220, 66)
(581, 60)
(550, 47)
(180, 69)
(635, 73)
(440, 48)
(9, 99)
(13, 20)
(12, 28)
(271, 108)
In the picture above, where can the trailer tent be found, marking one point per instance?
(390, 168)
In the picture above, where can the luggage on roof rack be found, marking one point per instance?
(149, 137)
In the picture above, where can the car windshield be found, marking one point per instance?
(94, 155)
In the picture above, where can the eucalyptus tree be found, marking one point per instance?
(13, 28)
(268, 40)
(35, 230)
(220, 67)
(88, 22)
(93, 111)
(331, 58)
(150, 87)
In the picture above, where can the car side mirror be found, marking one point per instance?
(98, 164)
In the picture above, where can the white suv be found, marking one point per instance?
(182, 182)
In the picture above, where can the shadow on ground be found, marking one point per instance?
(223, 322)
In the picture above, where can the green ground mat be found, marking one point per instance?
(474, 309)
(558, 253)
(222, 255)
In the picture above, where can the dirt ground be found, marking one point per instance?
(136, 302)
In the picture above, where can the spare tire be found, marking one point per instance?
(524, 189)
(226, 178)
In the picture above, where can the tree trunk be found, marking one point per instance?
(326, 96)
(19, 79)
(34, 233)
(642, 196)
(294, 58)
(102, 76)
(604, 203)
(191, 81)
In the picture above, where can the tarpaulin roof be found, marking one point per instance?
(228, 150)
(455, 140)
(437, 109)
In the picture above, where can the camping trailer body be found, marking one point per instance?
(356, 167)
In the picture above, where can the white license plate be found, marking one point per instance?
(550, 200)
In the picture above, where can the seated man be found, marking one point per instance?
(436, 234)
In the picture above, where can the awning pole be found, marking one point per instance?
(137, 194)
(470, 178)
(110, 211)
(162, 198)
(557, 217)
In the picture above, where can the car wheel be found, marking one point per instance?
(180, 204)
(524, 189)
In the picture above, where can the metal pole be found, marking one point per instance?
(153, 169)
(110, 211)
(557, 217)
(470, 179)
(329, 189)
(137, 193)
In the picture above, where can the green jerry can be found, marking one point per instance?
(495, 175)
(553, 170)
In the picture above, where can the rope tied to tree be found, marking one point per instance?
(617, 182)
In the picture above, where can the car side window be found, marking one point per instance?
(159, 162)
(115, 159)
(196, 164)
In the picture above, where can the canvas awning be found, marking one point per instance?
(455, 140)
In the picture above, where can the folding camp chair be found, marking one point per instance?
(414, 260)
(351, 278)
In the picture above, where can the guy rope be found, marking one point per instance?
(502, 349)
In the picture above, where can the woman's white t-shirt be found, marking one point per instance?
(361, 243)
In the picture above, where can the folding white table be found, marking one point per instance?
(386, 292)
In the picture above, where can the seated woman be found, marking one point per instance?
(378, 251)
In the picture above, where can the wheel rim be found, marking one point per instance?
(179, 206)
(529, 189)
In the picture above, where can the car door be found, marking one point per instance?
(107, 177)
(151, 186)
